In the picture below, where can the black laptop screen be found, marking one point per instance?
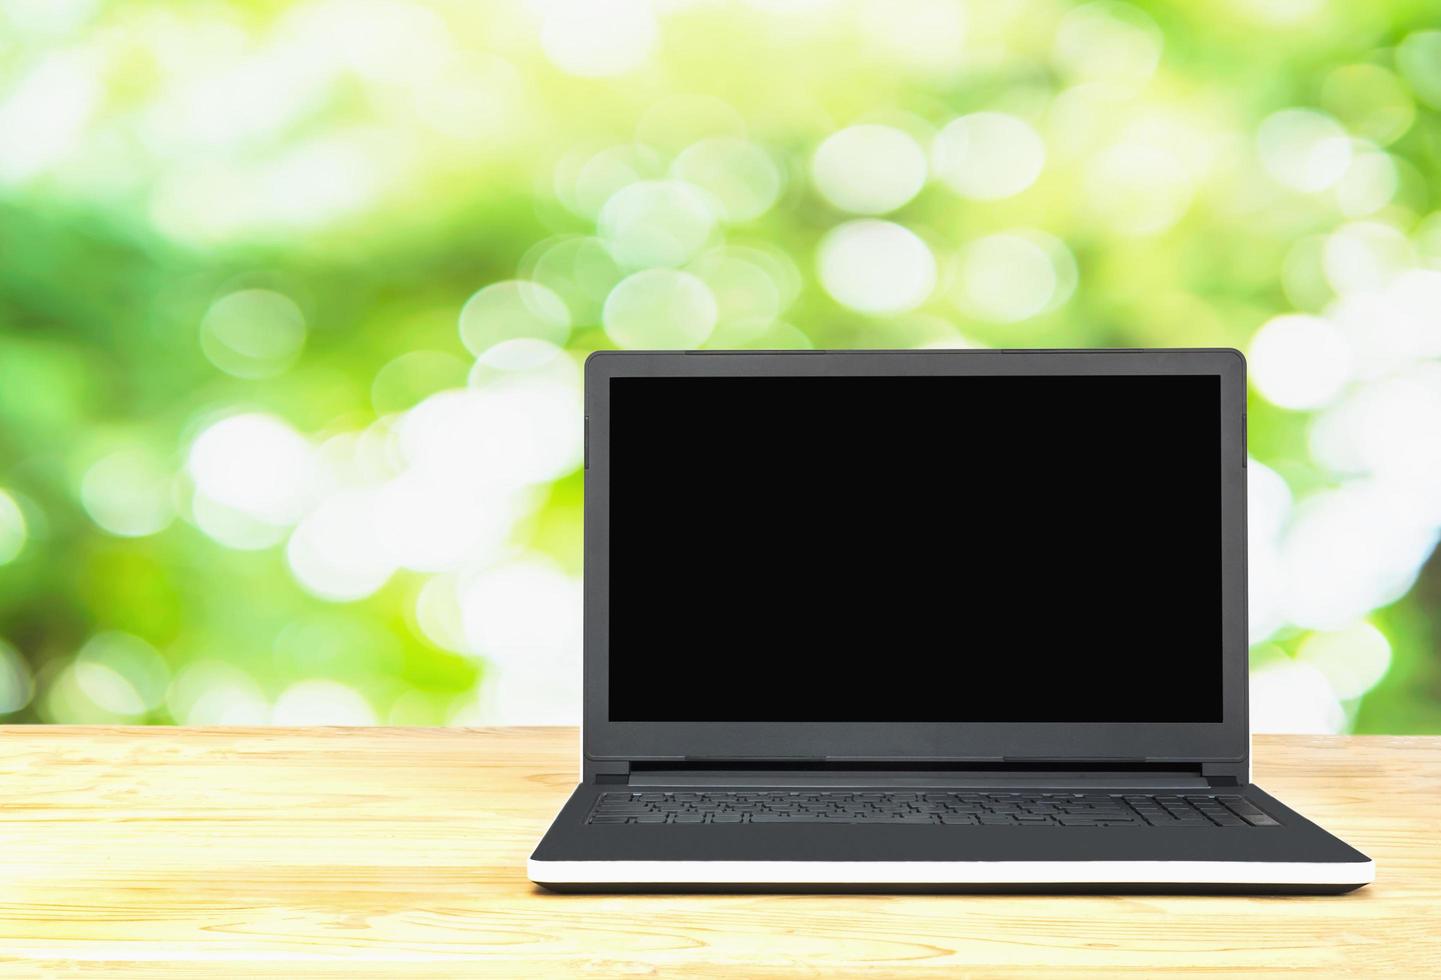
(920, 549)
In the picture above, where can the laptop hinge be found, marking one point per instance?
(818, 773)
(605, 771)
(898, 779)
(1225, 773)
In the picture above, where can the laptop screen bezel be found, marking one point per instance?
(665, 741)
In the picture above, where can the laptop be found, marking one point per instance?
(921, 620)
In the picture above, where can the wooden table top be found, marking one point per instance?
(401, 852)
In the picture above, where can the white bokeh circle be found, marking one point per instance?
(876, 267)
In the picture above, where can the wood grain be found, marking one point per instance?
(401, 852)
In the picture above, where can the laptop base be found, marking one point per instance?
(1294, 857)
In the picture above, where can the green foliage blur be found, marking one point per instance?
(246, 329)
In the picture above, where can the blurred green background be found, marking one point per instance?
(293, 298)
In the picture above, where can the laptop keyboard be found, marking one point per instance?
(967, 809)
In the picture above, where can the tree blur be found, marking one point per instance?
(293, 299)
